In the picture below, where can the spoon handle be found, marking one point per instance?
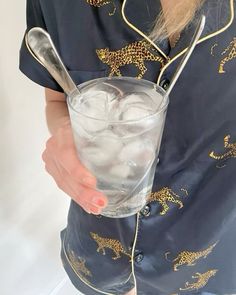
(188, 53)
(43, 48)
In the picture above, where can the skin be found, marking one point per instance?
(132, 292)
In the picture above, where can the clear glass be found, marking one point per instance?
(117, 126)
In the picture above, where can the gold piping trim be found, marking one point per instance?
(200, 41)
(140, 32)
(68, 260)
(132, 261)
(31, 52)
(128, 278)
(132, 255)
(183, 51)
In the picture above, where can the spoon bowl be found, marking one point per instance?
(41, 45)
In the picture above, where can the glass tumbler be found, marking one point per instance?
(117, 125)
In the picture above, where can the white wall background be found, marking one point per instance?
(32, 209)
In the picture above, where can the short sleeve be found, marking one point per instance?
(27, 63)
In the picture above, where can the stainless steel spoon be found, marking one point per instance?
(188, 53)
(43, 48)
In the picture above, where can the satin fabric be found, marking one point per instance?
(186, 244)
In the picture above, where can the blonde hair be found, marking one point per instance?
(172, 22)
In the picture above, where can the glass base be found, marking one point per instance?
(129, 207)
(122, 211)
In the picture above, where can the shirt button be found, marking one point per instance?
(139, 257)
(165, 84)
(146, 211)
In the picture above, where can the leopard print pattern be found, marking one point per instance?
(99, 3)
(166, 195)
(135, 53)
(78, 263)
(189, 258)
(231, 153)
(202, 280)
(112, 244)
(231, 50)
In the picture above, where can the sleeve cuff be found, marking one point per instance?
(36, 72)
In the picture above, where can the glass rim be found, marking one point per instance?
(162, 92)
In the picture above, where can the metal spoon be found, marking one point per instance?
(43, 48)
(188, 53)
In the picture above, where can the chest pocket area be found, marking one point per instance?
(82, 76)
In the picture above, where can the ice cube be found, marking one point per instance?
(94, 103)
(92, 116)
(80, 140)
(103, 150)
(108, 140)
(130, 103)
(92, 126)
(137, 98)
(107, 87)
(113, 110)
(96, 156)
(135, 113)
(120, 171)
(132, 98)
(140, 152)
(134, 126)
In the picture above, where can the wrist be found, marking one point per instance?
(60, 123)
(64, 121)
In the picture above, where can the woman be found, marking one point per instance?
(182, 241)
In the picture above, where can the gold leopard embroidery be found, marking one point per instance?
(231, 50)
(202, 280)
(189, 258)
(166, 195)
(112, 244)
(135, 53)
(213, 48)
(99, 3)
(231, 153)
(79, 265)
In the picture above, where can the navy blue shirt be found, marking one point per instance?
(183, 241)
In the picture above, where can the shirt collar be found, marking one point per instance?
(140, 15)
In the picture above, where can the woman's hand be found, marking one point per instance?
(62, 163)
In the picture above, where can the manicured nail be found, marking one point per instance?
(96, 213)
(88, 211)
(98, 201)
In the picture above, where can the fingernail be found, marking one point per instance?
(96, 213)
(98, 201)
(88, 210)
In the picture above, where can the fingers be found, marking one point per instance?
(66, 154)
(71, 176)
(70, 162)
(90, 200)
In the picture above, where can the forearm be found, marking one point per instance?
(56, 115)
(56, 110)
